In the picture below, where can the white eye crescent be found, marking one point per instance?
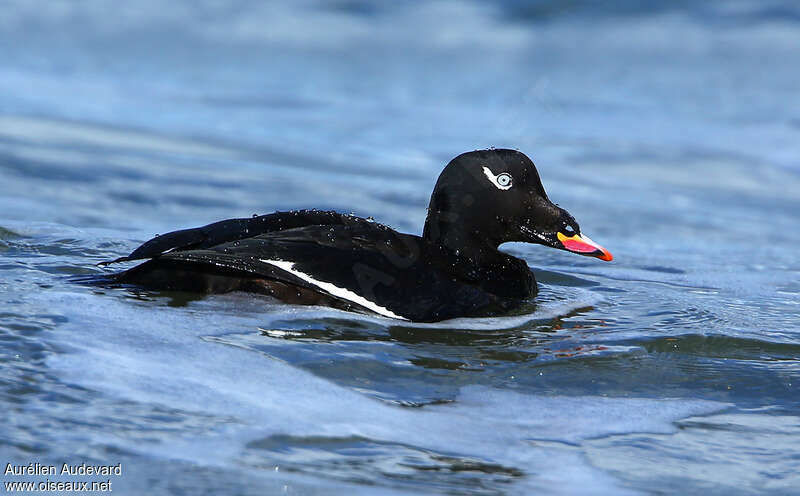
(502, 181)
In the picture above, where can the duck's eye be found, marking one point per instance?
(504, 180)
(568, 230)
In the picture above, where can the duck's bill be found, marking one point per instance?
(583, 245)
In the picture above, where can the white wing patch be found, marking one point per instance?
(334, 290)
(501, 181)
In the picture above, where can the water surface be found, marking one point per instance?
(671, 133)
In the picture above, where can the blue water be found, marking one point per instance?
(670, 130)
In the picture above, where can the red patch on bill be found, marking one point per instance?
(578, 246)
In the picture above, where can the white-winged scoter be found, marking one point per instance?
(482, 199)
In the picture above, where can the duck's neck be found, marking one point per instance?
(477, 259)
(457, 240)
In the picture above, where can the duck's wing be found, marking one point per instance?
(369, 266)
(234, 229)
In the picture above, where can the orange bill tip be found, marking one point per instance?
(606, 256)
(583, 245)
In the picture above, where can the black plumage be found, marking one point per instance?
(482, 199)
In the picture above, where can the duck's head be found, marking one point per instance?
(490, 197)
